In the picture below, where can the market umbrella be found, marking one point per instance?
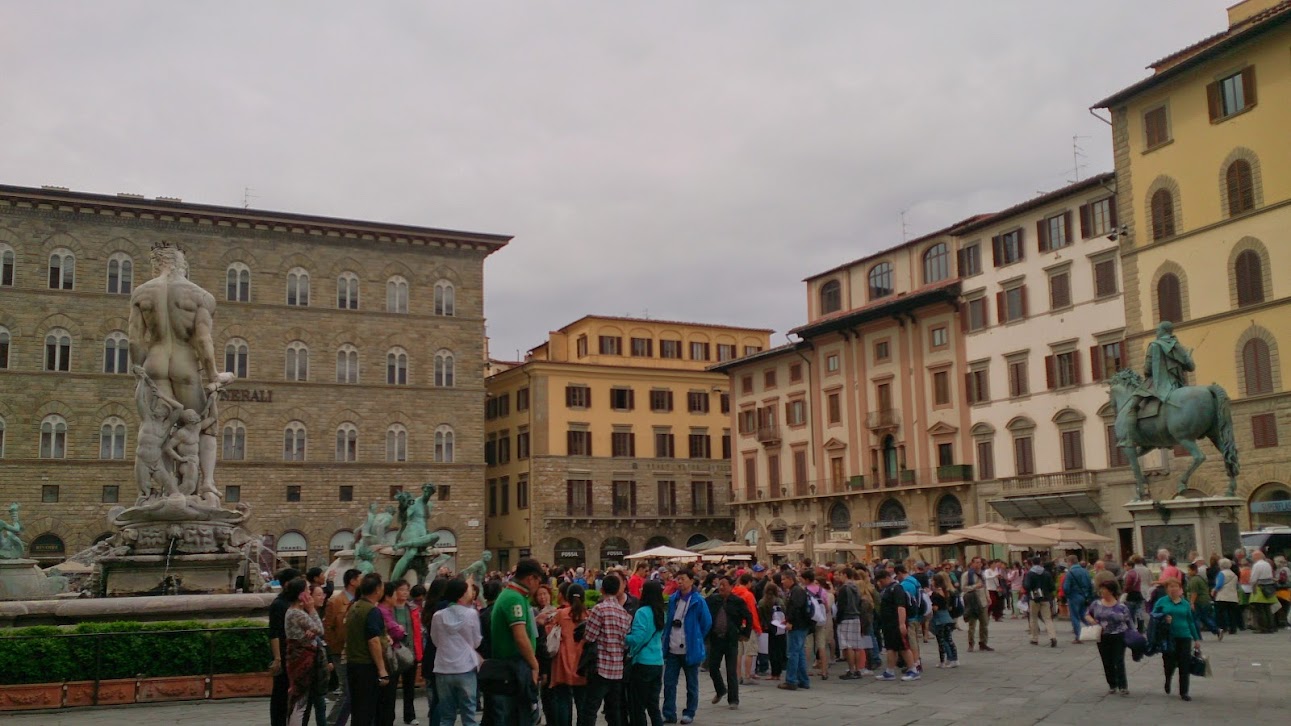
(1004, 534)
(709, 544)
(729, 549)
(1066, 533)
(666, 553)
(913, 537)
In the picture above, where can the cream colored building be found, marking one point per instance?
(610, 438)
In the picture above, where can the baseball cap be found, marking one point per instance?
(759, 568)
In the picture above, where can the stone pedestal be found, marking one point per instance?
(1206, 525)
(24, 580)
(130, 575)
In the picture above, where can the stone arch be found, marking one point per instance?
(64, 240)
(444, 272)
(1257, 179)
(347, 264)
(128, 246)
(295, 413)
(56, 407)
(839, 517)
(1176, 203)
(399, 417)
(982, 429)
(348, 415)
(295, 335)
(1068, 416)
(238, 253)
(113, 408)
(1106, 411)
(233, 330)
(1170, 267)
(1269, 491)
(1266, 269)
(396, 267)
(112, 325)
(948, 513)
(1020, 423)
(1275, 368)
(59, 320)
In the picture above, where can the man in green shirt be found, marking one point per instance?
(1198, 591)
(365, 630)
(515, 639)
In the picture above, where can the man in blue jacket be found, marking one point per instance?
(687, 623)
(1079, 589)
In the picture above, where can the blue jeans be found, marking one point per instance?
(1206, 618)
(796, 668)
(563, 701)
(673, 665)
(1076, 610)
(456, 693)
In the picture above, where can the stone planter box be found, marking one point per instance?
(79, 693)
(172, 688)
(31, 696)
(241, 685)
(115, 692)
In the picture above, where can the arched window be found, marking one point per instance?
(1169, 298)
(936, 263)
(1249, 271)
(880, 280)
(347, 364)
(397, 367)
(1241, 187)
(4, 348)
(347, 442)
(120, 274)
(347, 291)
(298, 287)
(53, 437)
(238, 283)
(297, 361)
(396, 295)
(58, 350)
(1162, 214)
(831, 297)
(1257, 367)
(112, 439)
(445, 298)
(62, 270)
(235, 441)
(396, 444)
(236, 354)
(342, 540)
(293, 442)
(6, 265)
(444, 369)
(950, 514)
(116, 353)
(840, 518)
(444, 444)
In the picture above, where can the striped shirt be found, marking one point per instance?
(608, 626)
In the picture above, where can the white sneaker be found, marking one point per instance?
(866, 672)
(953, 664)
(911, 675)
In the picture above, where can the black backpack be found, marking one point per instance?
(956, 605)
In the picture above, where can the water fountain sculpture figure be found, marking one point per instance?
(11, 545)
(478, 570)
(413, 536)
(371, 532)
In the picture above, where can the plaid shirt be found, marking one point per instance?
(608, 627)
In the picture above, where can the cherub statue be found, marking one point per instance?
(182, 447)
(478, 569)
(157, 416)
(412, 538)
(11, 545)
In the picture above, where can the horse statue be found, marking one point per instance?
(1189, 414)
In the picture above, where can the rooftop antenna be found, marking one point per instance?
(1077, 154)
(645, 313)
(905, 236)
(247, 196)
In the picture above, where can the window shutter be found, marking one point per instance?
(569, 498)
(1248, 85)
(1084, 221)
(1066, 227)
(1075, 367)
(588, 490)
(1042, 235)
(632, 399)
(1212, 101)
(1096, 362)
(1022, 239)
(997, 250)
(1022, 293)
(633, 488)
(1111, 205)
(587, 395)
(1001, 311)
(959, 262)
(1050, 374)
(968, 388)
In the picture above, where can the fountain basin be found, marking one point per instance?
(24, 580)
(179, 574)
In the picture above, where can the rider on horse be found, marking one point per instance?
(1164, 367)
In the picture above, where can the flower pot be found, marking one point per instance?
(31, 696)
(172, 688)
(114, 692)
(241, 685)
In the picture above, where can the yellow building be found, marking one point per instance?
(611, 438)
(1204, 194)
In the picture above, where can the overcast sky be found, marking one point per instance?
(681, 160)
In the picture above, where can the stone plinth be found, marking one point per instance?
(24, 580)
(1205, 525)
(129, 575)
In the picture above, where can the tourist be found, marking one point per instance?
(1263, 592)
(1242, 566)
(1102, 574)
(1136, 574)
(976, 605)
(365, 630)
(894, 604)
(400, 639)
(1079, 590)
(638, 579)
(821, 642)
(914, 611)
(1014, 579)
(869, 621)
(645, 657)
(943, 624)
(732, 626)
(436, 600)
(688, 623)
(1038, 588)
(544, 616)
(799, 625)
(514, 640)
(607, 627)
(409, 619)
(851, 640)
(278, 646)
(1115, 620)
(1282, 574)
(1225, 595)
(748, 646)
(488, 595)
(566, 685)
(306, 653)
(771, 612)
(334, 633)
(1198, 594)
(994, 577)
(1178, 654)
(455, 631)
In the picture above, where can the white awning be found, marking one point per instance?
(292, 542)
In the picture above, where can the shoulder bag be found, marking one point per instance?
(497, 677)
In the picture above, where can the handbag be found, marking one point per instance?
(388, 655)
(497, 677)
(1199, 665)
(1091, 633)
(553, 640)
(405, 659)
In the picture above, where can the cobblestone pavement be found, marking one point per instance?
(1017, 684)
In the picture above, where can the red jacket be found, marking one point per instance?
(746, 595)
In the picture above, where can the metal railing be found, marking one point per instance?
(883, 418)
(768, 433)
(1064, 481)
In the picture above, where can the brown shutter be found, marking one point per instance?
(1112, 216)
(1001, 311)
(1042, 235)
(1022, 239)
(997, 250)
(1075, 366)
(1212, 101)
(1085, 222)
(569, 498)
(632, 399)
(1248, 85)
(1050, 374)
(1066, 227)
(968, 388)
(633, 489)
(959, 262)
(1096, 362)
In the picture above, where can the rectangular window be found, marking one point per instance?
(346, 493)
(522, 399)
(701, 498)
(664, 445)
(1023, 456)
(293, 493)
(504, 447)
(1106, 360)
(746, 384)
(985, 460)
(941, 388)
(1060, 291)
(578, 397)
(945, 454)
(233, 493)
(666, 495)
(795, 412)
(1007, 248)
(1115, 454)
(970, 260)
(111, 493)
(726, 444)
(976, 314)
(700, 446)
(831, 363)
(768, 378)
(1019, 380)
(578, 498)
(442, 492)
(795, 372)
(1264, 430)
(623, 444)
(1155, 127)
(748, 421)
(697, 402)
(610, 345)
(522, 492)
(504, 405)
(622, 399)
(1231, 95)
(725, 402)
(642, 348)
(49, 493)
(1063, 370)
(625, 498)
(699, 351)
(978, 386)
(1073, 455)
(581, 346)
(579, 443)
(1105, 278)
(670, 349)
(491, 450)
(800, 472)
(1054, 232)
(1012, 304)
(522, 445)
(834, 404)
(504, 495)
(939, 337)
(725, 351)
(661, 401)
(751, 349)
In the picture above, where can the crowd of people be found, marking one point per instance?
(562, 646)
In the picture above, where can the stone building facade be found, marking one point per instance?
(358, 349)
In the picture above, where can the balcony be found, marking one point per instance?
(769, 434)
(1044, 483)
(955, 472)
(886, 418)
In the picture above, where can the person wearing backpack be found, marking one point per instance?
(1038, 588)
(851, 638)
(798, 612)
(977, 602)
(821, 643)
(914, 612)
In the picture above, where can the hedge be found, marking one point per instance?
(47, 654)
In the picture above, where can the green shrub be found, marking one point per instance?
(36, 655)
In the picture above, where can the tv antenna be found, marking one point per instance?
(1077, 154)
(904, 229)
(247, 196)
